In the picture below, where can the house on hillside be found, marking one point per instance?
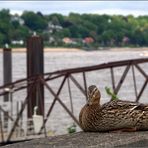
(125, 40)
(67, 40)
(17, 18)
(88, 40)
(17, 42)
(51, 27)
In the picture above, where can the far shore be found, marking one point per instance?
(46, 49)
(61, 49)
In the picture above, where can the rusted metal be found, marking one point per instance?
(100, 66)
(70, 95)
(142, 89)
(85, 85)
(122, 79)
(112, 78)
(7, 76)
(69, 112)
(70, 76)
(134, 79)
(77, 84)
(8, 117)
(145, 83)
(39, 101)
(60, 73)
(21, 111)
(7, 69)
(55, 99)
(1, 128)
(59, 100)
(35, 65)
(141, 71)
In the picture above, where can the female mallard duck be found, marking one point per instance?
(113, 115)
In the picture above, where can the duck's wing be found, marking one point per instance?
(120, 104)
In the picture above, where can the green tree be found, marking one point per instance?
(35, 21)
(5, 26)
(56, 19)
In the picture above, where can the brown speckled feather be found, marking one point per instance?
(113, 115)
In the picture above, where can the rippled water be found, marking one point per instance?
(59, 120)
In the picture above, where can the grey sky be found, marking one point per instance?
(65, 7)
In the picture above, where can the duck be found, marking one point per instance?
(115, 115)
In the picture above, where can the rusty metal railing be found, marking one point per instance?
(74, 77)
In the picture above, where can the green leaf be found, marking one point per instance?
(111, 93)
(72, 129)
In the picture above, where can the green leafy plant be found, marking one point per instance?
(72, 129)
(111, 93)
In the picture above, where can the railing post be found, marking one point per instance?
(35, 66)
(7, 77)
(7, 64)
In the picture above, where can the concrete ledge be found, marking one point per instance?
(89, 140)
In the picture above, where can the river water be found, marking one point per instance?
(61, 60)
(59, 120)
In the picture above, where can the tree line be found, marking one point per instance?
(105, 30)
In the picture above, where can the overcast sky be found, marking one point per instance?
(135, 8)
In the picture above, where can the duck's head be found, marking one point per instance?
(93, 95)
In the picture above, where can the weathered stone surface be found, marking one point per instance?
(89, 140)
